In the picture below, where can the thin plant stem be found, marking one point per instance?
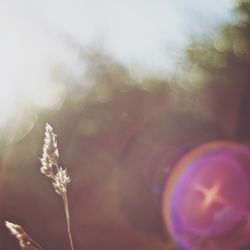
(66, 208)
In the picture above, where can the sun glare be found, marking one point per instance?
(140, 36)
(28, 57)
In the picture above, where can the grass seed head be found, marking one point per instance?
(24, 240)
(61, 180)
(50, 153)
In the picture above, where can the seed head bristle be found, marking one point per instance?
(61, 180)
(14, 228)
(24, 240)
(50, 149)
(47, 167)
(50, 152)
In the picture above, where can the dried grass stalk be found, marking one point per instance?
(60, 179)
(50, 168)
(24, 240)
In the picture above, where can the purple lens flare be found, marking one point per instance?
(207, 195)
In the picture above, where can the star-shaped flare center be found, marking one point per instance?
(211, 195)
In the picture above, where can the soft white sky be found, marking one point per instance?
(134, 31)
(145, 34)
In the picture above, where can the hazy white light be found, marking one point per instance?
(147, 34)
(28, 57)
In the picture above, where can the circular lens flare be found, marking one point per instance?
(206, 198)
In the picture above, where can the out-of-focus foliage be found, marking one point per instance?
(225, 57)
(219, 64)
